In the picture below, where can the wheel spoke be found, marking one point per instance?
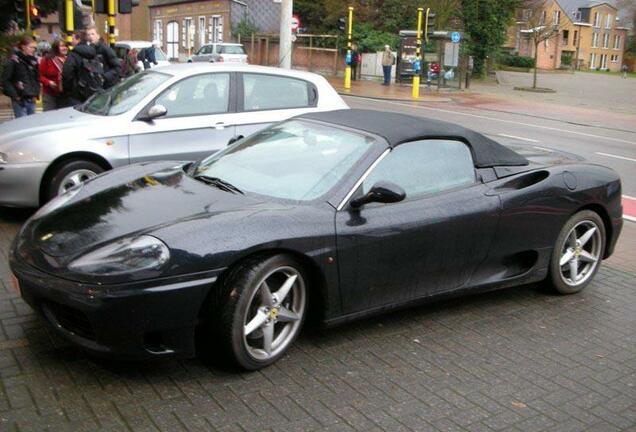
(268, 337)
(567, 256)
(284, 290)
(587, 236)
(574, 270)
(586, 256)
(256, 322)
(266, 295)
(285, 315)
(573, 239)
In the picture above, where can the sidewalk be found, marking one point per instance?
(375, 90)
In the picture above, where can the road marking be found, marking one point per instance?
(519, 138)
(543, 148)
(504, 121)
(615, 156)
(629, 208)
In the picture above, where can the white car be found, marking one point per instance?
(123, 47)
(220, 52)
(176, 112)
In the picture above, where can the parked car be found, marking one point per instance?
(182, 112)
(343, 213)
(220, 52)
(123, 47)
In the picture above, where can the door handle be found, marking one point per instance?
(220, 126)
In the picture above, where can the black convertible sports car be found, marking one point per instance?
(344, 214)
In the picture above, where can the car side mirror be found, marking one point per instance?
(154, 112)
(382, 192)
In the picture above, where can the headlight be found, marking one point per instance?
(58, 201)
(3, 158)
(124, 256)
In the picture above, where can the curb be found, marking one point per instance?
(439, 99)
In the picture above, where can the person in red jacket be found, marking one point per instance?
(51, 76)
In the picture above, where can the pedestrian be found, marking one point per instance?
(148, 56)
(434, 70)
(624, 70)
(355, 61)
(129, 64)
(388, 59)
(51, 67)
(20, 78)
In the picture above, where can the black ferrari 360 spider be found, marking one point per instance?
(343, 213)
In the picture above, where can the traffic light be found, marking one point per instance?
(19, 14)
(342, 24)
(430, 23)
(97, 6)
(36, 19)
(125, 6)
(78, 16)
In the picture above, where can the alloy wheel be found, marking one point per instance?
(74, 178)
(580, 253)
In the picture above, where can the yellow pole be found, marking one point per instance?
(27, 20)
(418, 55)
(111, 22)
(428, 11)
(69, 25)
(347, 83)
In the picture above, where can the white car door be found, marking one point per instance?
(270, 99)
(200, 120)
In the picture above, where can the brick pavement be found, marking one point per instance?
(514, 360)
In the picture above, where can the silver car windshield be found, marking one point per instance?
(296, 160)
(123, 96)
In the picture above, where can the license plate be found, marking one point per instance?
(15, 283)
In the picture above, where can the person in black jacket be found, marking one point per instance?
(21, 78)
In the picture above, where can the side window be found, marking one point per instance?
(263, 92)
(197, 95)
(425, 167)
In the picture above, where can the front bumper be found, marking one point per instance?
(139, 321)
(20, 184)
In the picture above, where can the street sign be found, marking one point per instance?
(455, 37)
(295, 22)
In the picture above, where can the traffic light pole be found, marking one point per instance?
(27, 12)
(347, 83)
(418, 55)
(111, 22)
(69, 25)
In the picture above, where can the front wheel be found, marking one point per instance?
(577, 253)
(69, 175)
(264, 310)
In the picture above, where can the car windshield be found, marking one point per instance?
(296, 160)
(231, 49)
(123, 96)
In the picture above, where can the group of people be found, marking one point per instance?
(65, 76)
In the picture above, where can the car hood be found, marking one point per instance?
(48, 121)
(131, 201)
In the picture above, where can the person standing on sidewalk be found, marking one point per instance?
(624, 69)
(51, 67)
(355, 61)
(21, 79)
(387, 63)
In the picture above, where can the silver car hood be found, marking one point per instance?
(45, 122)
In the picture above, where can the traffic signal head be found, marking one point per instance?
(430, 22)
(125, 6)
(342, 24)
(36, 19)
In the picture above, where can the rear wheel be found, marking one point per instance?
(577, 253)
(263, 311)
(69, 174)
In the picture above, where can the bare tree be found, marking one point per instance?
(539, 27)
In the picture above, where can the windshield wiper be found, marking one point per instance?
(221, 184)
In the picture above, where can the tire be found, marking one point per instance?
(578, 249)
(69, 174)
(247, 314)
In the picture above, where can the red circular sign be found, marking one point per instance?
(295, 22)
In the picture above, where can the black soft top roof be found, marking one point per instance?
(400, 128)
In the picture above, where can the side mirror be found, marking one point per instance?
(382, 192)
(154, 112)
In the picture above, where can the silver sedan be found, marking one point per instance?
(177, 112)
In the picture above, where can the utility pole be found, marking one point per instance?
(27, 18)
(418, 55)
(69, 25)
(347, 83)
(285, 44)
(111, 22)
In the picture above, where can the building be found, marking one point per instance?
(588, 34)
(183, 26)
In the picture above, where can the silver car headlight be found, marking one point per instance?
(4, 158)
(58, 201)
(124, 256)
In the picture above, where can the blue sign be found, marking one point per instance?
(348, 58)
(417, 65)
(455, 37)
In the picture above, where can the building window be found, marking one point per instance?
(577, 16)
(576, 37)
(617, 42)
(566, 37)
(157, 32)
(603, 61)
(542, 19)
(614, 58)
(172, 39)
(597, 20)
(216, 29)
(606, 40)
(201, 31)
(593, 61)
(594, 40)
(556, 18)
(608, 21)
(187, 34)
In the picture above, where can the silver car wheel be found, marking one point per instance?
(74, 178)
(275, 313)
(580, 253)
